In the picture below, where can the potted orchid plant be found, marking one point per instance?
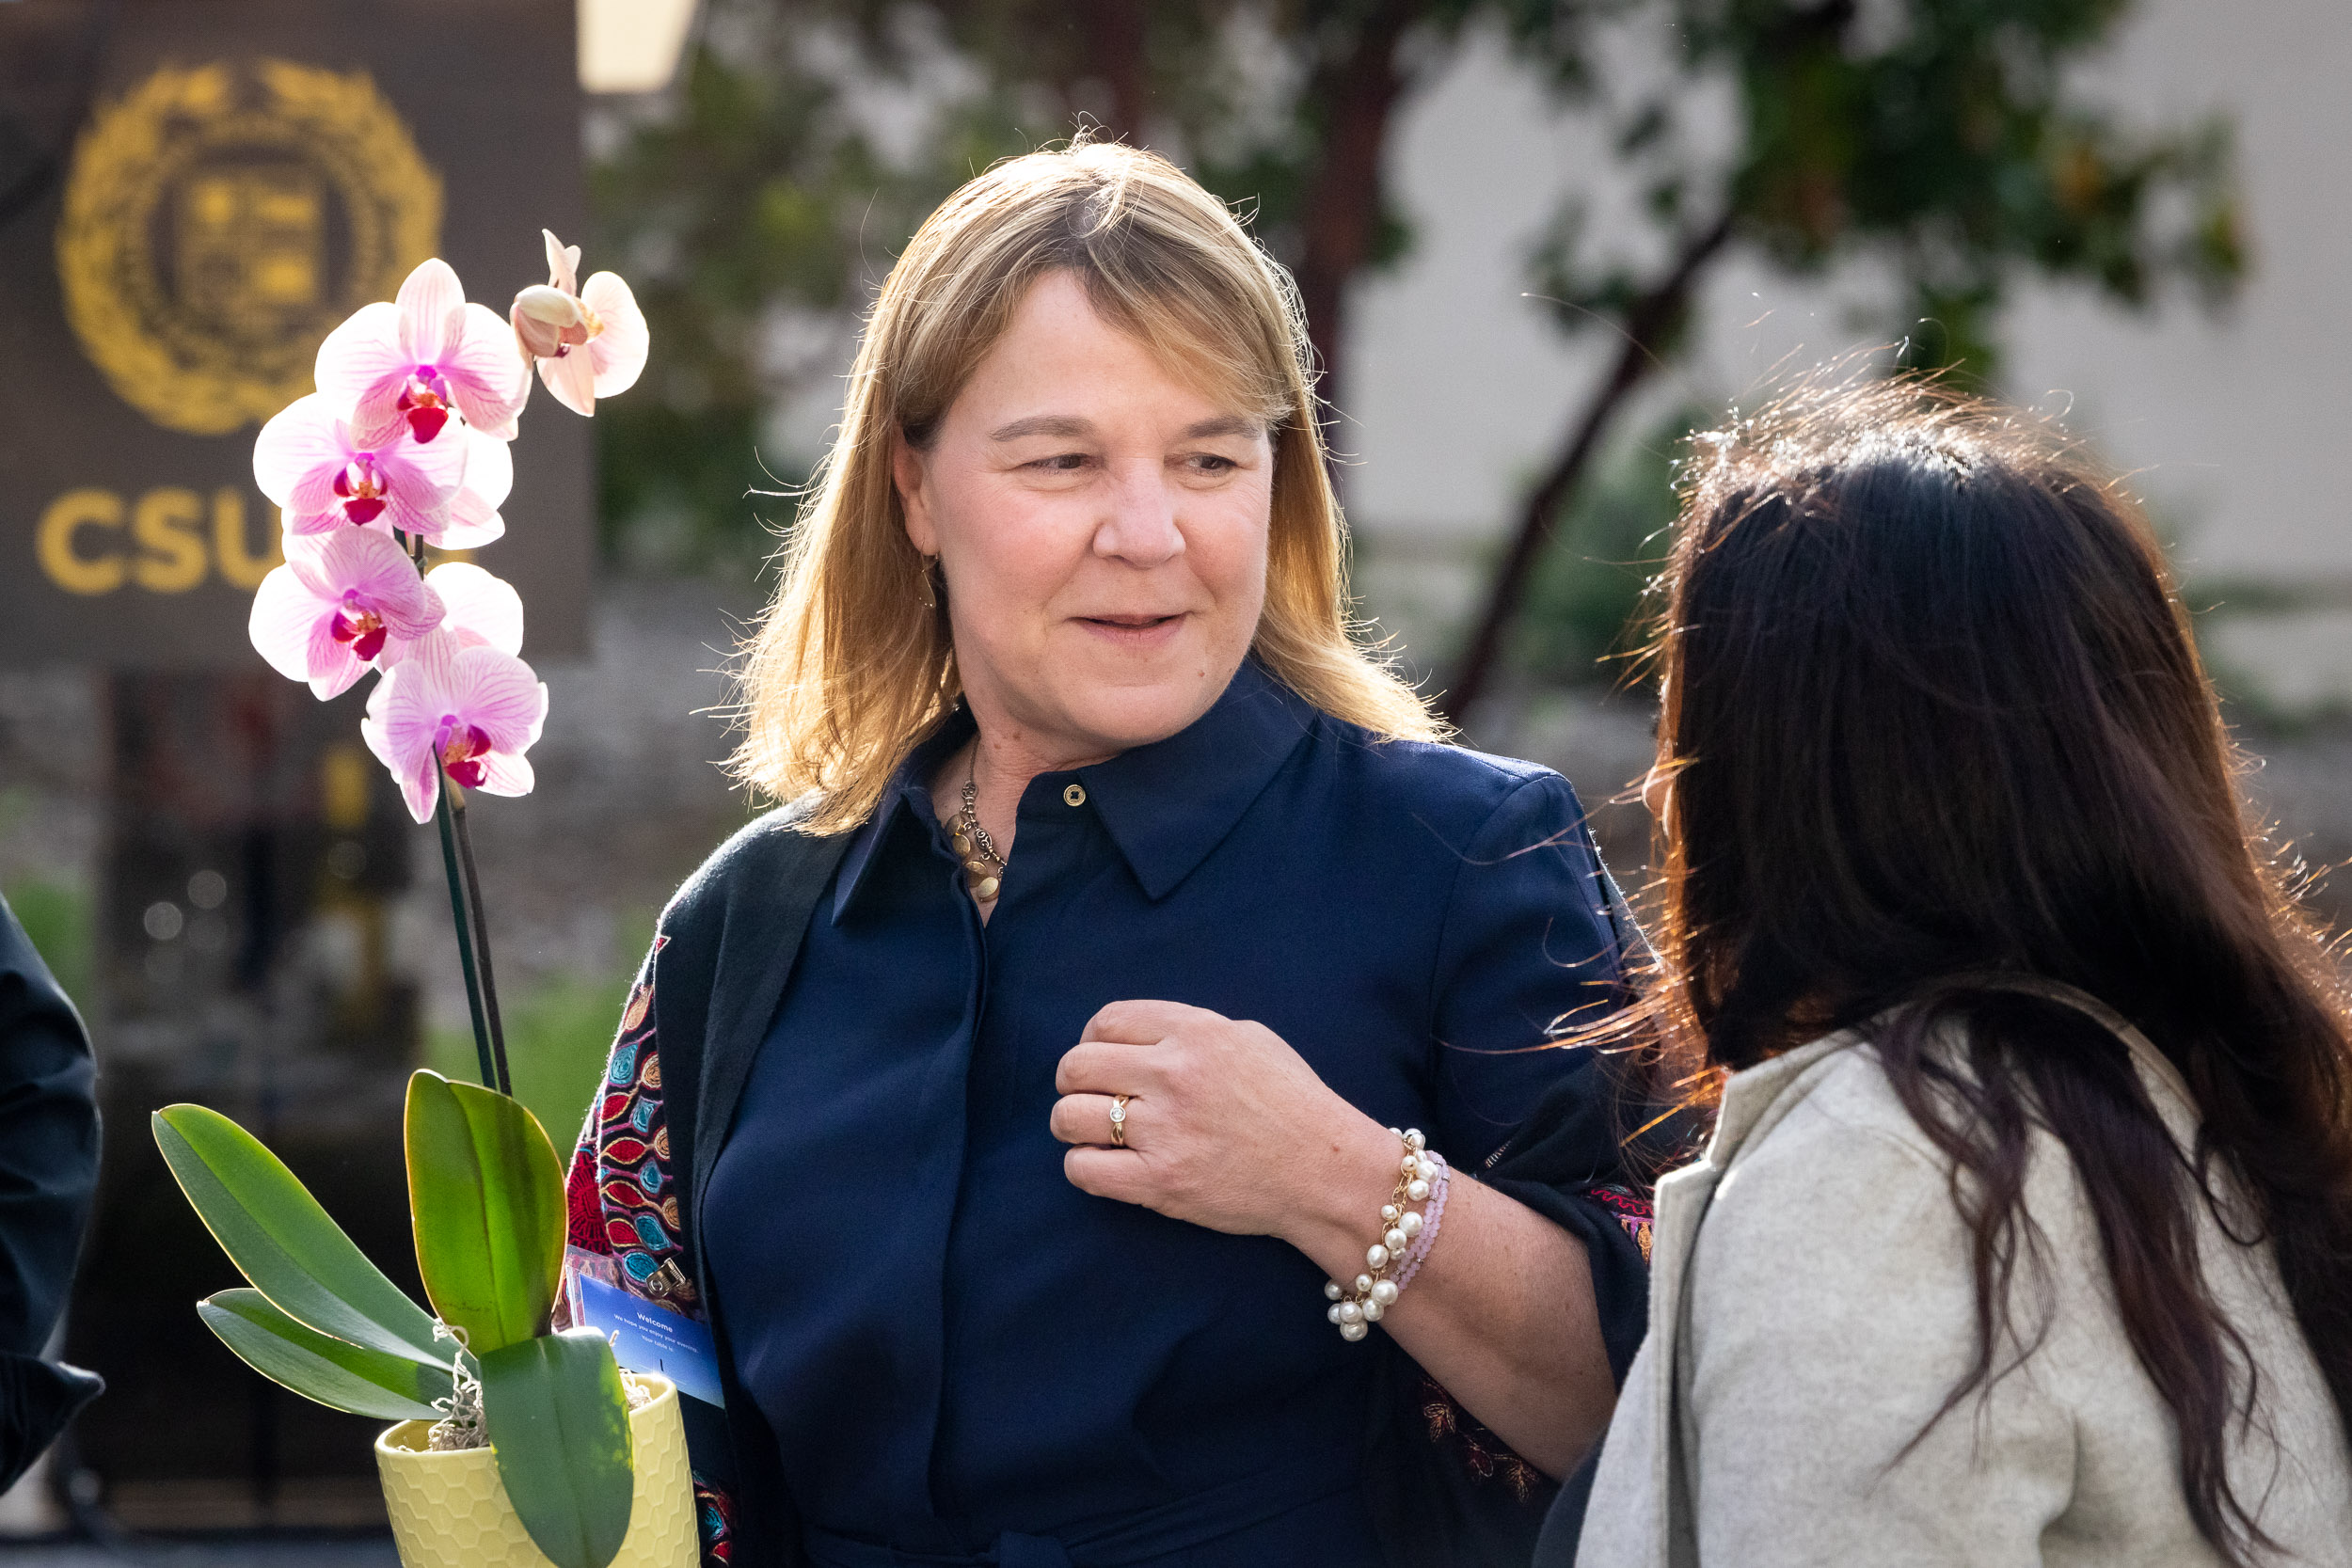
(518, 1443)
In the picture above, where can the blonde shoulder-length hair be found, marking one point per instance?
(854, 663)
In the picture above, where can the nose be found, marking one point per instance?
(1139, 526)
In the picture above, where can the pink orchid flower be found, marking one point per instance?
(324, 477)
(415, 360)
(590, 341)
(335, 607)
(474, 511)
(484, 611)
(479, 610)
(470, 712)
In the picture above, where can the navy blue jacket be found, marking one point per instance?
(48, 1169)
(1412, 918)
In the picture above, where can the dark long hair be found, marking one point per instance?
(1933, 714)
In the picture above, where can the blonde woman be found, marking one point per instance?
(1093, 1119)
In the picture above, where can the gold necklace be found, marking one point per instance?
(983, 867)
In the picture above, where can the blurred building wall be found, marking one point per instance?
(2231, 422)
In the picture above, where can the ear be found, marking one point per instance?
(907, 474)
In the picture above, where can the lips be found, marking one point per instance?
(1134, 630)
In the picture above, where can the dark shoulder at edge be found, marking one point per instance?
(1449, 788)
(756, 850)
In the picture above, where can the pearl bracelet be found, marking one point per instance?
(1374, 1293)
(1431, 1215)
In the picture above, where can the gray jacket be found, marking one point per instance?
(1810, 1327)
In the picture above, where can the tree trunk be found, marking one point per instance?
(1118, 43)
(1341, 217)
(1649, 329)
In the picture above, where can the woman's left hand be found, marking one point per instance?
(1227, 1126)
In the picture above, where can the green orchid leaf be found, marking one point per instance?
(486, 1193)
(559, 1420)
(338, 1375)
(279, 1238)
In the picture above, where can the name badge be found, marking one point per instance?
(650, 1338)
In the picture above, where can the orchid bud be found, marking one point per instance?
(543, 317)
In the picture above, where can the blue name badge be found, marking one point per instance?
(650, 1338)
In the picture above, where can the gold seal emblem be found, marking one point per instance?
(220, 219)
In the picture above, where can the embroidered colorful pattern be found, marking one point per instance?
(1634, 1214)
(714, 1510)
(622, 1208)
(623, 1202)
(1483, 1454)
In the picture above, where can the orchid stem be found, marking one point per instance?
(473, 938)
(465, 939)
(482, 997)
(482, 941)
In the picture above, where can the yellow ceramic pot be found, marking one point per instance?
(450, 1510)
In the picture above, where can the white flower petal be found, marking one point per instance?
(370, 563)
(285, 610)
(498, 693)
(440, 462)
(572, 378)
(487, 377)
(489, 468)
(618, 352)
(403, 747)
(360, 368)
(420, 478)
(428, 299)
(563, 263)
(468, 525)
(334, 667)
(481, 609)
(301, 442)
(428, 681)
(503, 774)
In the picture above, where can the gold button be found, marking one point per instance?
(1074, 796)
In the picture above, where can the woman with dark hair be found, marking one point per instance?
(2025, 1233)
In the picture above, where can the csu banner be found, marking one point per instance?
(193, 193)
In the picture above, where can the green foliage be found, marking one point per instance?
(754, 215)
(1588, 592)
(748, 202)
(1940, 138)
(558, 1036)
(485, 1193)
(559, 1419)
(1938, 135)
(489, 1207)
(340, 1376)
(57, 917)
(281, 1240)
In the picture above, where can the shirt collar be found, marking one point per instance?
(1165, 805)
(909, 793)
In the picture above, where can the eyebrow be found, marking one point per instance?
(1224, 425)
(1042, 424)
(1070, 426)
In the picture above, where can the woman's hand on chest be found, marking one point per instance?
(1226, 1126)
